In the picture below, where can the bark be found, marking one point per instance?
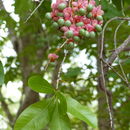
(55, 73)
(103, 113)
(27, 68)
(118, 50)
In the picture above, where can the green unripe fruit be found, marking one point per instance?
(70, 45)
(48, 15)
(100, 18)
(69, 34)
(61, 6)
(92, 34)
(61, 22)
(82, 11)
(60, 14)
(76, 38)
(67, 23)
(89, 15)
(55, 25)
(80, 24)
(87, 34)
(98, 27)
(90, 7)
(82, 32)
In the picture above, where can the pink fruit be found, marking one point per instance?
(52, 57)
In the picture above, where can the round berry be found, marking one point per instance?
(61, 6)
(70, 45)
(82, 32)
(100, 18)
(76, 38)
(69, 34)
(60, 14)
(89, 15)
(82, 11)
(90, 7)
(80, 24)
(92, 34)
(48, 15)
(55, 25)
(61, 22)
(98, 27)
(87, 34)
(67, 23)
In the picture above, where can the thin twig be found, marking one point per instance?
(57, 50)
(122, 8)
(102, 67)
(58, 77)
(115, 43)
(48, 62)
(118, 51)
(115, 71)
(6, 109)
(104, 28)
(106, 95)
(34, 10)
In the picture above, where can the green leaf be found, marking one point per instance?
(1, 73)
(5, 16)
(117, 4)
(81, 112)
(23, 6)
(59, 121)
(62, 106)
(45, 7)
(35, 117)
(38, 84)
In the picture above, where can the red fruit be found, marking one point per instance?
(52, 57)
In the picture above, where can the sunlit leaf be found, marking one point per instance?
(38, 84)
(59, 121)
(35, 117)
(81, 112)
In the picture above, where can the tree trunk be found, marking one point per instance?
(27, 68)
(103, 113)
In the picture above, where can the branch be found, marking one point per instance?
(125, 49)
(118, 51)
(102, 80)
(104, 69)
(103, 31)
(34, 11)
(6, 109)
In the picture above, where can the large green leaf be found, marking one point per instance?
(38, 84)
(62, 106)
(59, 121)
(81, 112)
(1, 73)
(35, 117)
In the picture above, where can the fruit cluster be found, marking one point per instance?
(77, 19)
